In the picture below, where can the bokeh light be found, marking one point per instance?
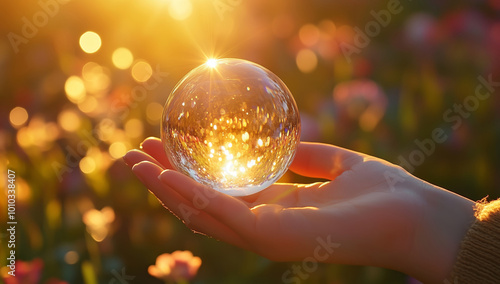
(18, 117)
(88, 105)
(87, 165)
(141, 71)
(107, 129)
(75, 89)
(38, 133)
(71, 257)
(362, 100)
(117, 150)
(180, 9)
(122, 58)
(73, 103)
(90, 70)
(134, 128)
(23, 191)
(96, 78)
(306, 60)
(309, 34)
(98, 222)
(90, 42)
(69, 120)
(153, 112)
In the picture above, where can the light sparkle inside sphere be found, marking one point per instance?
(232, 125)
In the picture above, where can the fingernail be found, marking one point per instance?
(138, 164)
(138, 174)
(133, 167)
(159, 176)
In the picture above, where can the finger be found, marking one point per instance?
(229, 210)
(207, 225)
(282, 194)
(154, 147)
(136, 156)
(323, 160)
(195, 219)
(148, 172)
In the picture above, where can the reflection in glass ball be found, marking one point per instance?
(232, 125)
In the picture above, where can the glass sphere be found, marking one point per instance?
(232, 125)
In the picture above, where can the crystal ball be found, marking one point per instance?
(232, 125)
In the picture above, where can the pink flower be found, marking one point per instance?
(362, 100)
(55, 281)
(178, 266)
(28, 272)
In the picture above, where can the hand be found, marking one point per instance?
(370, 212)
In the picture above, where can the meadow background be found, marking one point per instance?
(72, 103)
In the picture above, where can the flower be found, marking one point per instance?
(363, 100)
(178, 266)
(55, 281)
(25, 272)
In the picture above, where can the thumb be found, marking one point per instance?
(324, 161)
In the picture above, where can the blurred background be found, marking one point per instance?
(82, 82)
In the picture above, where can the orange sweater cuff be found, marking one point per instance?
(478, 260)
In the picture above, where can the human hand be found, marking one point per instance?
(369, 212)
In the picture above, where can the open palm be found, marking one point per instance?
(369, 212)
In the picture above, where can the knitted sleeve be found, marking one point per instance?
(478, 260)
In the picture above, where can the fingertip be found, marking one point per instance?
(173, 178)
(133, 157)
(142, 165)
(135, 166)
(145, 141)
(323, 160)
(148, 141)
(152, 138)
(126, 158)
(161, 176)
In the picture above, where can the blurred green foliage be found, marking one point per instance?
(399, 85)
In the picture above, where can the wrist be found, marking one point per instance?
(444, 220)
